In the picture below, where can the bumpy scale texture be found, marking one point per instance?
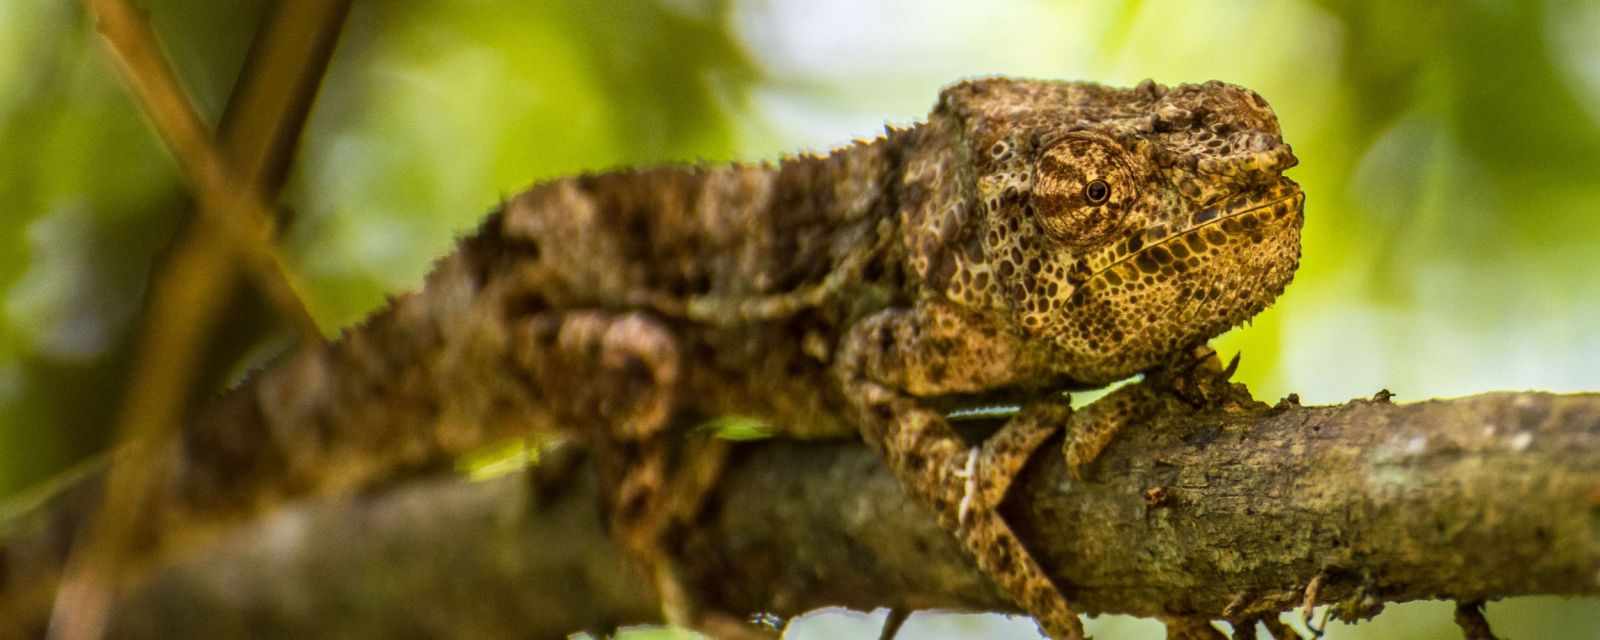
(1030, 237)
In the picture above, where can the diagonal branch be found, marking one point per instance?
(229, 203)
(184, 302)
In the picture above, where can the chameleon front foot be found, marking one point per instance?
(1092, 428)
(965, 487)
(990, 470)
(962, 485)
(1197, 377)
(1001, 556)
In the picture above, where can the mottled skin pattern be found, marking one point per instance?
(1030, 237)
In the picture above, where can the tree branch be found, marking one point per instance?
(1226, 514)
(229, 203)
(230, 187)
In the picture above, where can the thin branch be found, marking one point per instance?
(234, 209)
(184, 299)
(261, 125)
(181, 305)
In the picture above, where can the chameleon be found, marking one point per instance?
(1028, 238)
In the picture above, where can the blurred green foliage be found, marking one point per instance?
(1451, 153)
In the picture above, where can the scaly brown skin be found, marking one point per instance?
(1030, 237)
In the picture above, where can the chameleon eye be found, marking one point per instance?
(1097, 192)
(1081, 190)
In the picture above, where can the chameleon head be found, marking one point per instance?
(1122, 225)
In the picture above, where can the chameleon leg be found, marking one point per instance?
(1096, 425)
(1010, 448)
(963, 486)
(936, 466)
(612, 381)
(1196, 377)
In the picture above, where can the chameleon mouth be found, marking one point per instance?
(1208, 230)
(1160, 291)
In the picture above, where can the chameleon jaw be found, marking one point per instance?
(1242, 216)
(1181, 289)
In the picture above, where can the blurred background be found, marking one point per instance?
(1450, 153)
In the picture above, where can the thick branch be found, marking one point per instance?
(1224, 515)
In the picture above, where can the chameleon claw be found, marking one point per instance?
(969, 471)
(970, 474)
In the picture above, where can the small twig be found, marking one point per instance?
(1469, 616)
(1313, 593)
(1279, 629)
(892, 623)
(258, 134)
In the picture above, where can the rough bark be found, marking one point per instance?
(1227, 514)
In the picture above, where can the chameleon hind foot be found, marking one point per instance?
(612, 380)
(654, 489)
(680, 479)
(611, 383)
